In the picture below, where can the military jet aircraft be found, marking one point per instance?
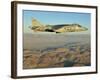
(60, 28)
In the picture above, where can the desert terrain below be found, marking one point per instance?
(56, 50)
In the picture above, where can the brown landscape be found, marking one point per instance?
(58, 57)
(56, 50)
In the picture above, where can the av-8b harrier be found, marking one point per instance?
(61, 28)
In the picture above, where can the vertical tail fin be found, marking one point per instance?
(36, 23)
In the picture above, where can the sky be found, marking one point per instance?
(53, 18)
